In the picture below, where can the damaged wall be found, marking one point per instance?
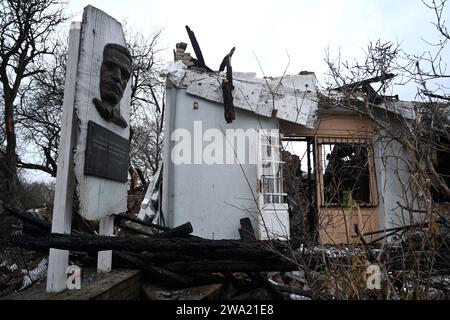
(212, 197)
(394, 185)
(392, 173)
(336, 224)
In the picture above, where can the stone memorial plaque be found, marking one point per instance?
(107, 154)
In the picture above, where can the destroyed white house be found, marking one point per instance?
(244, 159)
(354, 173)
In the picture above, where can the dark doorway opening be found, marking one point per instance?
(299, 183)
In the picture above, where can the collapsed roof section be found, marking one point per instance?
(292, 97)
(405, 109)
(360, 94)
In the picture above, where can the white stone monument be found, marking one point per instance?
(94, 146)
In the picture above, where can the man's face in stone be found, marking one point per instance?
(114, 75)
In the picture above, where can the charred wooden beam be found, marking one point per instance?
(159, 275)
(196, 46)
(34, 231)
(226, 62)
(246, 231)
(168, 256)
(87, 242)
(177, 232)
(228, 87)
(237, 253)
(153, 273)
(361, 83)
(146, 224)
(227, 90)
(131, 228)
(231, 266)
(28, 217)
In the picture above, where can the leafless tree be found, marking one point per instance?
(146, 146)
(38, 115)
(147, 101)
(421, 129)
(25, 31)
(430, 65)
(148, 84)
(39, 112)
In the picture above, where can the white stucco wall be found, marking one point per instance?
(212, 197)
(393, 181)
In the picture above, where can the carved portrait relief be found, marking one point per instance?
(114, 75)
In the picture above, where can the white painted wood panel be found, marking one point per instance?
(104, 258)
(64, 189)
(98, 197)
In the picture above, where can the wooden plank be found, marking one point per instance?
(98, 197)
(120, 284)
(62, 208)
(337, 224)
(106, 228)
(332, 126)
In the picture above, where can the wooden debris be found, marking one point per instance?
(246, 231)
(28, 217)
(180, 231)
(200, 62)
(151, 225)
(87, 242)
(231, 266)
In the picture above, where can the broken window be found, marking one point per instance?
(347, 175)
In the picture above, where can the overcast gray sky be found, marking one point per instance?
(269, 29)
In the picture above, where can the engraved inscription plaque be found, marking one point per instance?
(107, 154)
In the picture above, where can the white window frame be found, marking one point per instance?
(273, 217)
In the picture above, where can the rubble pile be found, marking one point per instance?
(177, 265)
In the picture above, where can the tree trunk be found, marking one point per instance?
(9, 162)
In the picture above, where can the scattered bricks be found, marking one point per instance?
(185, 57)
